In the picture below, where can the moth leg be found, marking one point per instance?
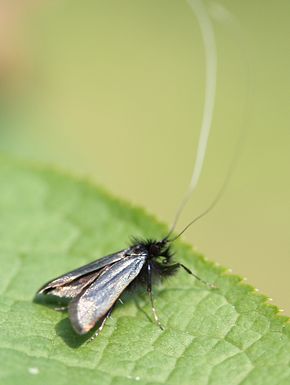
(60, 308)
(100, 328)
(149, 291)
(195, 276)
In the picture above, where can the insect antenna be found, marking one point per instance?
(208, 37)
(213, 203)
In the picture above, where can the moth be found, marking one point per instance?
(94, 289)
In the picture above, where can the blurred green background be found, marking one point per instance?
(115, 89)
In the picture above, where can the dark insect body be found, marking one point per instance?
(95, 288)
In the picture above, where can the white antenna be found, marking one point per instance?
(208, 37)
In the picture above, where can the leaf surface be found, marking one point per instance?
(51, 223)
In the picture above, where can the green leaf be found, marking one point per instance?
(51, 223)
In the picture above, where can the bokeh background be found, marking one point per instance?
(114, 90)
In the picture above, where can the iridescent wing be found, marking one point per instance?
(72, 283)
(97, 298)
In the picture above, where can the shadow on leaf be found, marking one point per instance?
(50, 301)
(70, 337)
(63, 328)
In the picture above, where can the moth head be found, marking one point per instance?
(149, 246)
(156, 248)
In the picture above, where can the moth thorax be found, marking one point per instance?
(155, 248)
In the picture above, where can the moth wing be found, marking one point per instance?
(73, 281)
(73, 288)
(96, 299)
